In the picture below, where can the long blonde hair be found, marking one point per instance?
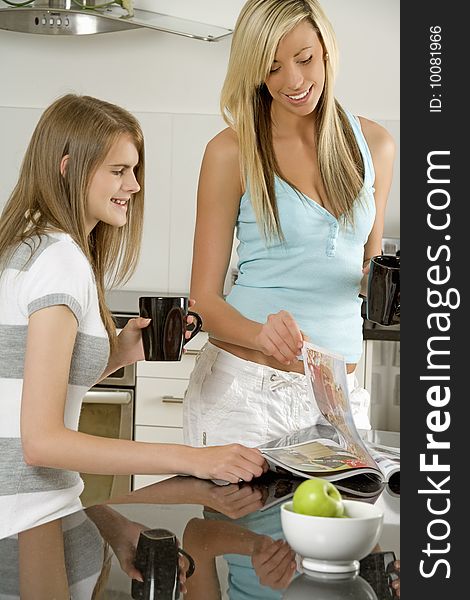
(246, 107)
(44, 200)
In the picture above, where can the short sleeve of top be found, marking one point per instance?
(59, 275)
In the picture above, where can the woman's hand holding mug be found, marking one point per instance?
(163, 339)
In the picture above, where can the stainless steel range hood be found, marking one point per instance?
(66, 17)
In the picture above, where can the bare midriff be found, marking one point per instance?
(260, 358)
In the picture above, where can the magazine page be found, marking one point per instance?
(322, 430)
(389, 463)
(384, 447)
(322, 456)
(314, 450)
(326, 378)
(333, 448)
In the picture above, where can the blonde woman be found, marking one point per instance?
(74, 218)
(304, 183)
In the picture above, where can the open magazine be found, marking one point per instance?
(333, 448)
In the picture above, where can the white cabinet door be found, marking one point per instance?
(159, 402)
(152, 272)
(179, 369)
(161, 435)
(190, 136)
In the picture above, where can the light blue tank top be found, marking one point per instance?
(315, 274)
(243, 582)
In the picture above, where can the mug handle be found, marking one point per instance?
(197, 327)
(192, 565)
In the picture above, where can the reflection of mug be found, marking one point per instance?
(383, 290)
(157, 560)
(164, 338)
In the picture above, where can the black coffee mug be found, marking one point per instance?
(383, 290)
(157, 559)
(164, 338)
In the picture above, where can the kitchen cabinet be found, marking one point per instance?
(174, 160)
(160, 388)
(159, 401)
(170, 192)
(190, 134)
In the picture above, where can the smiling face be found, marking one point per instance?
(112, 185)
(297, 75)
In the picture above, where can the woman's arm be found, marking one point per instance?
(219, 193)
(272, 560)
(231, 500)
(129, 347)
(382, 148)
(121, 533)
(48, 442)
(218, 200)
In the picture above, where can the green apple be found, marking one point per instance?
(318, 497)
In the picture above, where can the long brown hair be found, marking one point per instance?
(246, 107)
(44, 200)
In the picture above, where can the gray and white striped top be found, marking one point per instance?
(41, 273)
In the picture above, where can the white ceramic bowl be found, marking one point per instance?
(329, 544)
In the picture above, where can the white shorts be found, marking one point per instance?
(234, 400)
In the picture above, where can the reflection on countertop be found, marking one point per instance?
(212, 522)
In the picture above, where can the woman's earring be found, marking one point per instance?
(326, 56)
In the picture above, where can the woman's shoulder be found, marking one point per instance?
(380, 141)
(225, 139)
(221, 164)
(59, 252)
(63, 244)
(224, 146)
(45, 247)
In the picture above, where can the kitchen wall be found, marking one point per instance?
(172, 84)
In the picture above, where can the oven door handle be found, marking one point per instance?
(107, 397)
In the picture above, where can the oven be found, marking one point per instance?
(108, 411)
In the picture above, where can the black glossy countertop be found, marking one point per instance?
(222, 527)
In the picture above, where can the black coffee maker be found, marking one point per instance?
(383, 290)
(157, 558)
